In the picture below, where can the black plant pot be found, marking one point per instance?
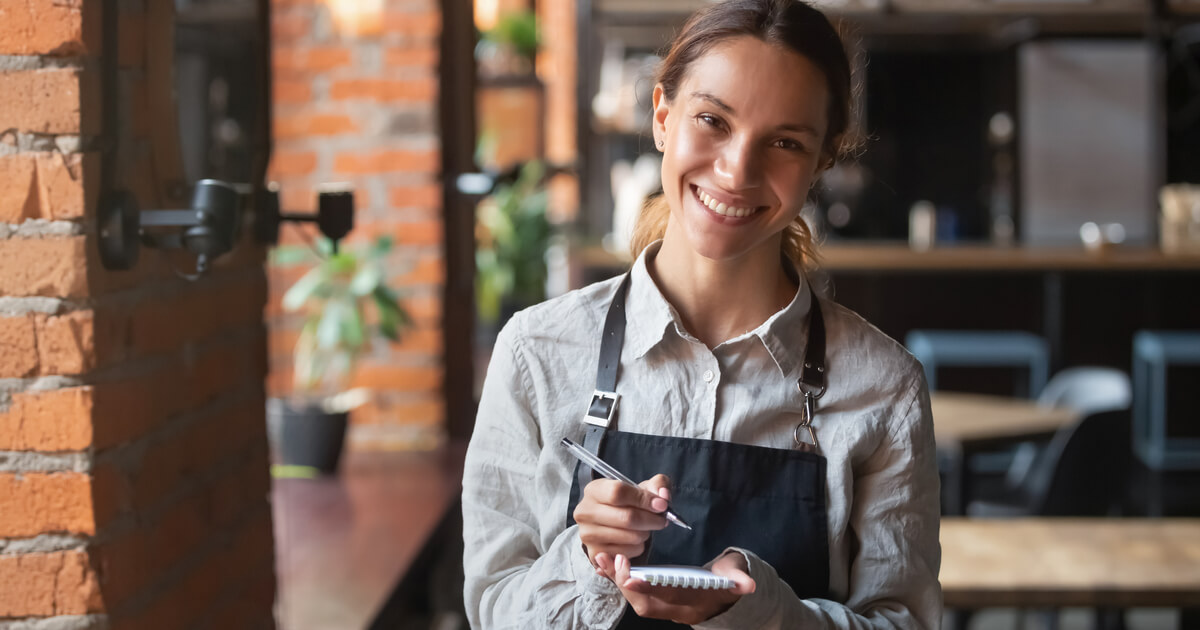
(310, 436)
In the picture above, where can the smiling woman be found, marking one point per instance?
(793, 437)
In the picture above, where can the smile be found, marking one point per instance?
(722, 208)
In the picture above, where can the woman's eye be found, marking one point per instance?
(790, 145)
(709, 120)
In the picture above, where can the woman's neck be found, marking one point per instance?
(720, 300)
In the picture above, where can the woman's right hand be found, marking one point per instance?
(616, 518)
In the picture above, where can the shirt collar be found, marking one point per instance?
(647, 310)
(649, 316)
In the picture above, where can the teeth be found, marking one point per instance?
(720, 208)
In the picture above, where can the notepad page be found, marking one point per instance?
(681, 577)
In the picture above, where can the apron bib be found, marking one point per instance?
(766, 500)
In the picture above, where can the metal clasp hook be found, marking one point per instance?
(809, 410)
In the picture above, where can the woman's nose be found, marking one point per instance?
(737, 165)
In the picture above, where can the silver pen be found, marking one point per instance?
(603, 467)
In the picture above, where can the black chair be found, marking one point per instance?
(1082, 472)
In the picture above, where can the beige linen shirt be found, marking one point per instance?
(526, 569)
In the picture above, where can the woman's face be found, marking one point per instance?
(742, 143)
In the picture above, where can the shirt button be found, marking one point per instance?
(708, 376)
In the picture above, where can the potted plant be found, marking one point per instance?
(512, 237)
(509, 47)
(336, 297)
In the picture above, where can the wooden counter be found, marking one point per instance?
(899, 257)
(1070, 562)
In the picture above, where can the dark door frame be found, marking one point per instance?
(456, 119)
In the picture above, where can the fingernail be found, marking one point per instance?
(658, 505)
(664, 493)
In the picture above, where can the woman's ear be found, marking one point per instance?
(662, 106)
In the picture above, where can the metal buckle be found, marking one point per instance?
(602, 409)
(809, 410)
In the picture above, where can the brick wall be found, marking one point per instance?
(133, 457)
(362, 108)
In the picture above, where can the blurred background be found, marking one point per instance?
(254, 255)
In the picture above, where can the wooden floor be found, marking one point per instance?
(344, 542)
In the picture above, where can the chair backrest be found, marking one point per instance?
(1088, 390)
(1084, 469)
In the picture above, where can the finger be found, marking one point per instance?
(604, 565)
(628, 518)
(622, 573)
(730, 566)
(660, 485)
(617, 493)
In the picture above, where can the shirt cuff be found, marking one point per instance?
(601, 603)
(756, 609)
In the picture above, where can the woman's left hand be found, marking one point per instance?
(688, 606)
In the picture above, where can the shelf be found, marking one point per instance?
(899, 257)
(896, 257)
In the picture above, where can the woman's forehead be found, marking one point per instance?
(751, 77)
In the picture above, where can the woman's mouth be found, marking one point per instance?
(721, 208)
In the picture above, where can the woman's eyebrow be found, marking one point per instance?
(723, 106)
(706, 96)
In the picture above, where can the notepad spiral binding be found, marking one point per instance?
(683, 578)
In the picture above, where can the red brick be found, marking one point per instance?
(292, 163)
(427, 270)
(48, 101)
(385, 90)
(425, 310)
(426, 341)
(422, 25)
(427, 161)
(288, 27)
(398, 378)
(55, 420)
(48, 584)
(411, 56)
(38, 503)
(18, 347)
(41, 27)
(416, 196)
(66, 343)
(291, 91)
(48, 186)
(309, 59)
(47, 267)
(305, 125)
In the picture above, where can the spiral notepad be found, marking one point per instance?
(681, 577)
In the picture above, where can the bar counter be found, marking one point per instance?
(894, 257)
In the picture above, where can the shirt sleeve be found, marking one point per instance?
(895, 517)
(512, 578)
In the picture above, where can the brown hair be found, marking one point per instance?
(788, 23)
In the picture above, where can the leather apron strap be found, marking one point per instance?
(603, 407)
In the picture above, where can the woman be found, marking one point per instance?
(794, 437)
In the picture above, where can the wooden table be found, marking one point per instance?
(964, 424)
(345, 544)
(1047, 562)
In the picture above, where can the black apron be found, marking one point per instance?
(768, 501)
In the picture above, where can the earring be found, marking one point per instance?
(660, 144)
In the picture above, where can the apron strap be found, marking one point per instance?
(603, 408)
(813, 372)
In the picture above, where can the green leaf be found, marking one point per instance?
(382, 246)
(353, 329)
(305, 288)
(329, 330)
(366, 279)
